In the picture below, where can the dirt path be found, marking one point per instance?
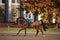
(30, 36)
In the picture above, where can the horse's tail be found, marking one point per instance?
(44, 28)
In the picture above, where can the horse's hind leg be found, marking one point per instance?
(41, 31)
(19, 31)
(37, 31)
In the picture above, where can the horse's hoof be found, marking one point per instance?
(17, 34)
(24, 35)
(35, 35)
(44, 35)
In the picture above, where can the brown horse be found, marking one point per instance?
(22, 23)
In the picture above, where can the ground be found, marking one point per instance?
(29, 36)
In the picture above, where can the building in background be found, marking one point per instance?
(10, 10)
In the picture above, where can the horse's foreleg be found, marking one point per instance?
(25, 32)
(19, 31)
(37, 31)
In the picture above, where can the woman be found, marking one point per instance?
(30, 16)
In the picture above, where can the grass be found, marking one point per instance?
(53, 30)
(28, 30)
(16, 29)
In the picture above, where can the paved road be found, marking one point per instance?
(30, 36)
